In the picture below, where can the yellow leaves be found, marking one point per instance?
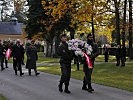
(19, 5)
(106, 31)
(99, 18)
(43, 3)
(38, 36)
(80, 11)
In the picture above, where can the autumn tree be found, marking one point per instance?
(58, 20)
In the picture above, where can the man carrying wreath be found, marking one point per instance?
(66, 57)
(88, 70)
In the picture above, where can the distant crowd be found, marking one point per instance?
(16, 50)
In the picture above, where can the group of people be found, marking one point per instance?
(120, 55)
(66, 57)
(3, 59)
(17, 52)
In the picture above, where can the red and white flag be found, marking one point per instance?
(8, 54)
(88, 61)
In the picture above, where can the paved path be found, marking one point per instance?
(44, 87)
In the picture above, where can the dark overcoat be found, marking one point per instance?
(17, 52)
(31, 57)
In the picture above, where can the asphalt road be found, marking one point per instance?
(45, 87)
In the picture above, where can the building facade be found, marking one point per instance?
(12, 30)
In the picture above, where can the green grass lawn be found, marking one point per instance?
(106, 74)
(42, 58)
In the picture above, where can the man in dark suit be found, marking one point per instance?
(2, 54)
(17, 54)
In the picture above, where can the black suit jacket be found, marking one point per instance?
(17, 51)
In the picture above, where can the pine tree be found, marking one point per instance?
(35, 16)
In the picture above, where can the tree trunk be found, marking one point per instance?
(93, 29)
(57, 42)
(92, 22)
(49, 49)
(130, 29)
(124, 24)
(117, 21)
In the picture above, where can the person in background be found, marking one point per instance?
(2, 55)
(118, 55)
(106, 53)
(6, 46)
(23, 55)
(123, 55)
(66, 57)
(17, 53)
(32, 57)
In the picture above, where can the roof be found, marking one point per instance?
(10, 28)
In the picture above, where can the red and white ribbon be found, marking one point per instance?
(88, 61)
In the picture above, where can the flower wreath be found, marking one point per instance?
(81, 48)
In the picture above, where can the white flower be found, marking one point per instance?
(88, 52)
(69, 48)
(77, 45)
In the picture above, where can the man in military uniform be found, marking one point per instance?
(65, 62)
(2, 54)
(88, 71)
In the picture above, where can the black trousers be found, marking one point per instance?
(123, 60)
(88, 73)
(17, 65)
(6, 62)
(1, 62)
(65, 73)
(29, 70)
(106, 56)
(118, 61)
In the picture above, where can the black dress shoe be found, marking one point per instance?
(2, 69)
(6, 66)
(84, 88)
(37, 74)
(21, 74)
(67, 91)
(90, 90)
(60, 88)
